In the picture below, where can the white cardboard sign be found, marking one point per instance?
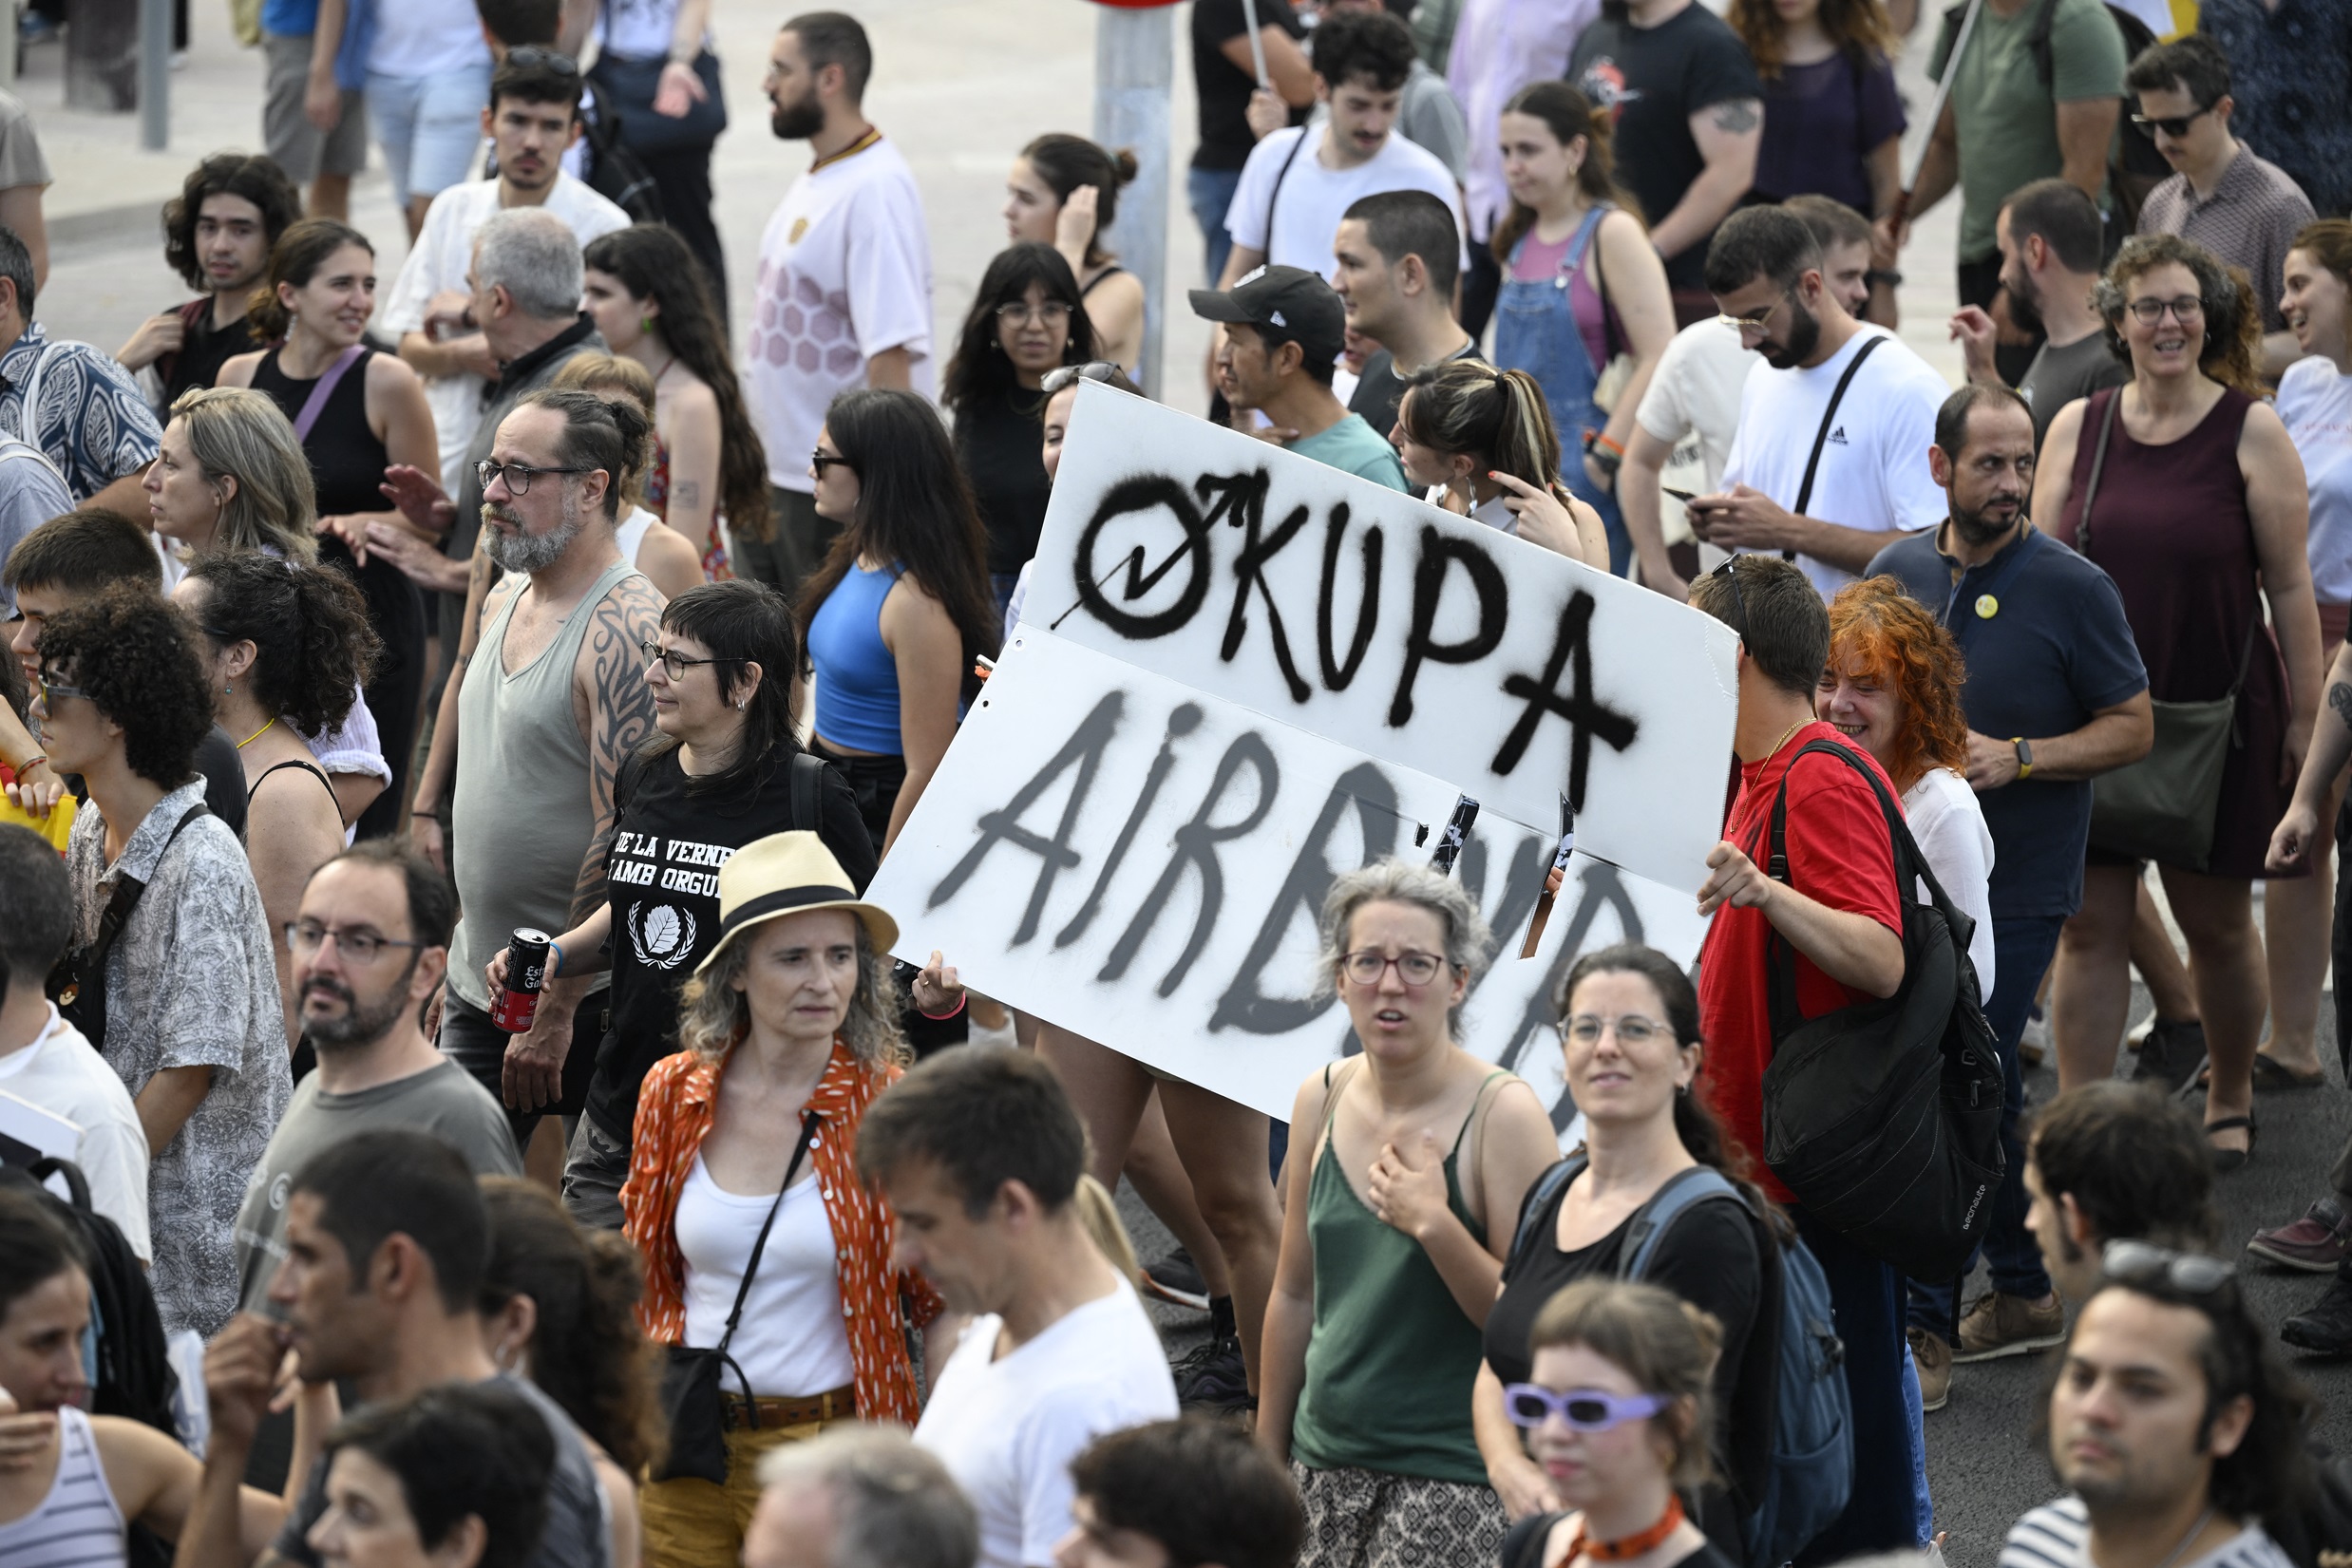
(1143, 862)
(1402, 632)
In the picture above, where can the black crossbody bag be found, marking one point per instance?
(1828, 420)
(693, 1392)
(78, 983)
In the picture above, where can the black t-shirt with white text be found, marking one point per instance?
(663, 869)
(1652, 80)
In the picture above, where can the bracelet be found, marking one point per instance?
(942, 1017)
(30, 763)
(1601, 438)
(555, 958)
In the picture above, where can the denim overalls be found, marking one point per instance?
(1535, 331)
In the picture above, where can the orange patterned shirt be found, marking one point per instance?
(675, 1112)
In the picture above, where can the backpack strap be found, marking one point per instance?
(807, 784)
(1274, 198)
(1681, 1192)
(2037, 41)
(1538, 1202)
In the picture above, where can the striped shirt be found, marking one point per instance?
(78, 1524)
(2057, 1534)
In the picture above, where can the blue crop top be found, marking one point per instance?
(857, 677)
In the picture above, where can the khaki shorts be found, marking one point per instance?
(300, 148)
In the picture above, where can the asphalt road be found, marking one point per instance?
(1982, 1466)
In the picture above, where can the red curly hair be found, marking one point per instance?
(1879, 630)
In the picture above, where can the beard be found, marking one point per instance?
(1804, 337)
(1978, 527)
(797, 120)
(356, 1025)
(2024, 309)
(529, 552)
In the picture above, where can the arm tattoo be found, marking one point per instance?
(2340, 702)
(621, 716)
(1738, 117)
(688, 494)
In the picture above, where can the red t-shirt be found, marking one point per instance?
(1839, 855)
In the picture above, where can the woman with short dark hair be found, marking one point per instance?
(454, 1477)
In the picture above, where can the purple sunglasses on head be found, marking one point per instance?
(1530, 1405)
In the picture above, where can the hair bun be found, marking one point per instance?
(1124, 163)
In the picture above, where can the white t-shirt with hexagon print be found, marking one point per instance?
(844, 274)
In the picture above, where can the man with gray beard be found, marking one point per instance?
(369, 945)
(549, 703)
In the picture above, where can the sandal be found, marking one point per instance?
(2271, 1075)
(2226, 1161)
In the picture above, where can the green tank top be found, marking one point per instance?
(1392, 1360)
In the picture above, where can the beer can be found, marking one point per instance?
(517, 1002)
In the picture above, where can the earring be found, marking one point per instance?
(228, 690)
(742, 703)
(645, 324)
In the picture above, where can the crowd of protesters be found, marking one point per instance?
(367, 677)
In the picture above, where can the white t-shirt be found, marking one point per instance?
(1314, 199)
(428, 38)
(443, 252)
(1874, 473)
(791, 1340)
(64, 1075)
(2315, 400)
(1692, 406)
(845, 275)
(1007, 1429)
(1947, 823)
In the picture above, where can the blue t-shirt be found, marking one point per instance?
(2053, 650)
(290, 18)
(1355, 447)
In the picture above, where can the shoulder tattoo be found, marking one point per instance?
(1738, 117)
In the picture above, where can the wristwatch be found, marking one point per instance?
(2025, 757)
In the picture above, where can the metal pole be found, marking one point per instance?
(155, 74)
(1257, 44)
(1134, 69)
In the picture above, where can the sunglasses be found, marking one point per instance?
(2144, 1263)
(538, 57)
(822, 460)
(1530, 1405)
(2174, 125)
(1739, 601)
(1070, 375)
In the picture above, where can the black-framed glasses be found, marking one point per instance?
(820, 459)
(518, 475)
(358, 943)
(1739, 601)
(1366, 965)
(1070, 375)
(673, 664)
(1050, 313)
(540, 57)
(2144, 1263)
(2174, 125)
(2187, 308)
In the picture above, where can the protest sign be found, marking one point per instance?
(1393, 629)
(1143, 863)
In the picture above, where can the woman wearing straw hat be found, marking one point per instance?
(789, 1029)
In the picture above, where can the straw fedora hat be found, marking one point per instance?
(789, 874)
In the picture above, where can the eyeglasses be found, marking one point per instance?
(2141, 1263)
(1053, 312)
(538, 57)
(1752, 323)
(1366, 965)
(2187, 308)
(2174, 125)
(1070, 375)
(820, 459)
(1530, 1405)
(358, 943)
(52, 690)
(1739, 601)
(518, 475)
(1632, 1029)
(672, 664)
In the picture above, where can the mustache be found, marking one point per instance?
(492, 512)
(324, 985)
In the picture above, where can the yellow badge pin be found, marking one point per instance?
(1987, 607)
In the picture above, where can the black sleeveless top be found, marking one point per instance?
(347, 458)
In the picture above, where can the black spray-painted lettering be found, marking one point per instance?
(1439, 553)
(1182, 722)
(1244, 1005)
(1242, 505)
(1599, 888)
(1587, 718)
(1085, 748)
(1195, 850)
(1145, 494)
(1337, 674)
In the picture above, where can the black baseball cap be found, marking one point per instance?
(1287, 304)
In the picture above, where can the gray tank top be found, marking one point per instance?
(78, 1524)
(520, 821)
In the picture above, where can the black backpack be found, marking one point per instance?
(1883, 1117)
(135, 1376)
(617, 174)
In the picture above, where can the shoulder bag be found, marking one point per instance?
(78, 983)
(1829, 422)
(2163, 806)
(1610, 384)
(694, 1397)
(627, 86)
(1883, 1117)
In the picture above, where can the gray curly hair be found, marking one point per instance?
(714, 1013)
(1469, 942)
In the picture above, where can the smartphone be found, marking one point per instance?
(1682, 495)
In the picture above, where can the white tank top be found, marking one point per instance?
(792, 1339)
(629, 537)
(78, 1524)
